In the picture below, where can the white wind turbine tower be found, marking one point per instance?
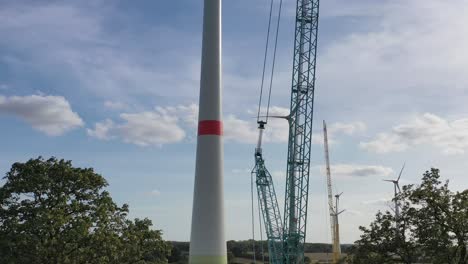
(397, 189)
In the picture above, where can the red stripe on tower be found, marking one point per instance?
(210, 127)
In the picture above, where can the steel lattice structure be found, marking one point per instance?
(331, 207)
(300, 130)
(286, 238)
(269, 207)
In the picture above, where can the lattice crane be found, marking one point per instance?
(333, 208)
(286, 238)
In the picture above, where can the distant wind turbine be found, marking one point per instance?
(395, 187)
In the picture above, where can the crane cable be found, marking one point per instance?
(274, 58)
(267, 113)
(265, 60)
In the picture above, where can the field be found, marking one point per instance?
(315, 258)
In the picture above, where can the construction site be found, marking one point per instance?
(285, 230)
(234, 132)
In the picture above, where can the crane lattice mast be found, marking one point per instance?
(268, 203)
(336, 238)
(286, 238)
(300, 130)
(333, 208)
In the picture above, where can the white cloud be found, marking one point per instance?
(347, 128)
(388, 68)
(187, 113)
(427, 129)
(51, 115)
(277, 129)
(278, 111)
(358, 8)
(246, 131)
(115, 105)
(239, 130)
(163, 125)
(384, 143)
(241, 171)
(353, 212)
(171, 124)
(155, 192)
(338, 128)
(355, 170)
(77, 41)
(101, 129)
(378, 202)
(278, 175)
(150, 128)
(317, 138)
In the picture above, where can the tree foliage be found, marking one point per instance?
(382, 242)
(52, 212)
(432, 227)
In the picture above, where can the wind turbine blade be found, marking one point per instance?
(388, 180)
(277, 116)
(398, 186)
(402, 168)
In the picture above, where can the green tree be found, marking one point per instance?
(439, 218)
(230, 257)
(382, 242)
(176, 255)
(52, 212)
(239, 248)
(432, 227)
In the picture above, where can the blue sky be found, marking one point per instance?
(113, 85)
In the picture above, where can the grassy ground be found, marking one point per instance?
(316, 258)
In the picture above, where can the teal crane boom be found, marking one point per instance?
(268, 203)
(286, 238)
